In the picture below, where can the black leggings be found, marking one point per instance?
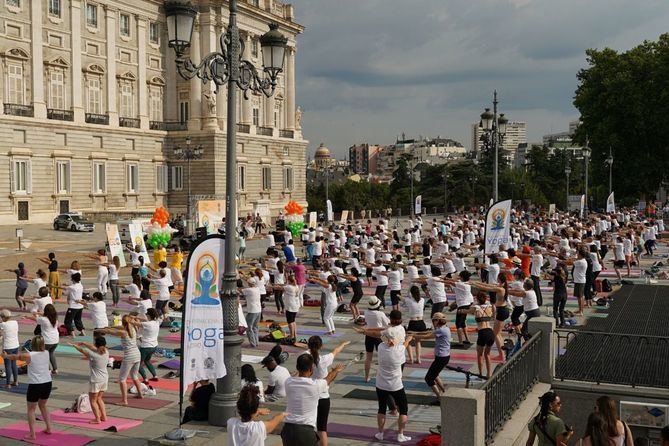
(399, 396)
(515, 316)
(526, 325)
(537, 290)
(435, 369)
(51, 348)
(73, 315)
(437, 308)
(559, 301)
(278, 299)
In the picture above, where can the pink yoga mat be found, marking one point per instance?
(17, 431)
(174, 337)
(162, 383)
(144, 403)
(81, 420)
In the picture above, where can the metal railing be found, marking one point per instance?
(287, 134)
(243, 128)
(266, 131)
(129, 122)
(507, 387)
(19, 110)
(169, 126)
(94, 118)
(598, 357)
(59, 115)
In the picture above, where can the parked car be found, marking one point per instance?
(72, 222)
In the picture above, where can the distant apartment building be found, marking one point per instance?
(516, 133)
(363, 159)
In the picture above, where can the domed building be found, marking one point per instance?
(322, 158)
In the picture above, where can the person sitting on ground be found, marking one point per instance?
(276, 383)
(199, 402)
(246, 430)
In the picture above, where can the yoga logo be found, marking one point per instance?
(206, 285)
(498, 217)
(209, 363)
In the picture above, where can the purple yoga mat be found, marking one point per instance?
(366, 434)
(425, 364)
(172, 364)
(17, 431)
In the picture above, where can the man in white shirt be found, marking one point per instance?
(276, 384)
(74, 293)
(302, 403)
(535, 272)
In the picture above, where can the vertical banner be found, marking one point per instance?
(137, 237)
(313, 219)
(344, 217)
(610, 203)
(551, 209)
(582, 209)
(497, 226)
(202, 328)
(330, 216)
(210, 214)
(419, 209)
(115, 245)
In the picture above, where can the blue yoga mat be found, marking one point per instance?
(360, 381)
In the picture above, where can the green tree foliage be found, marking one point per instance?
(623, 99)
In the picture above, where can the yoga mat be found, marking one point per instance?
(252, 359)
(172, 364)
(68, 350)
(370, 395)
(446, 375)
(4, 405)
(366, 434)
(144, 403)
(18, 362)
(22, 389)
(17, 431)
(321, 333)
(163, 384)
(81, 420)
(175, 337)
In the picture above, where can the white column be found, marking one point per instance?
(110, 18)
(142, 86)
(247, 109)
(209, 45)
(76, 80)
(36, 43)
(195, 83)
(222, 96)
(290, 88)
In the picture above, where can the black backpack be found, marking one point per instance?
(606, 286)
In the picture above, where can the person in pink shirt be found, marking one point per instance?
(300, 273)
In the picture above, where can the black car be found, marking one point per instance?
(72, 222)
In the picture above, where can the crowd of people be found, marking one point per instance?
(421, 274)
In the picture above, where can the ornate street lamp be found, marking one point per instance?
(586, 157)
(494, 131)
(609, 162)
(567, 171)
(189, 154)
(223, 67)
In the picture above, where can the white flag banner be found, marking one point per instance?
(202, 329)
(330, 213)
(313, 219)
(610, 203)
(344, 217)
(582, 210)
(419, 208)
(137, 237)
(115, 245)
(491, 202)
(498, 226)
(551, 209)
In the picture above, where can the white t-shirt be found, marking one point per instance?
(537, 262)
(49, 332)
(277, 379)
(252, 296)
(618, 250)
(74, 293)
(415, 309)
(10, 334)
(321, 371)
(163, 285)
(580, 268)
(291, 298)
(39, 283)
(303, 395)
(493, 272)
(113, 272)
(98, 366)
(389, 371)
(98, 314)
(463, 294)
(40, 302)
(381, 280)
(437, 290)
(412, 272)
(133, 291)
(144, 305)
(530, 301)
(38, 368)
(394, 280)
(250, 433)
(148, 335)
(376, 319)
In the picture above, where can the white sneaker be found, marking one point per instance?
(401, 438)
(379, 436)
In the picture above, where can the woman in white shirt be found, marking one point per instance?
(48, 329)
(293, 303)
(148, 342)
(98, 358)
(42, 300)
(245, 430)
(143, 303)
(39, 383)
(75, 305)
(9, 330)
(279, 279)
(249, 378)
(41, 279)
(463, 301)
(330, 294)
(322, 364)
(374, 318)
(415, 305)
(114, 268)
(163, 284)
(98, 309)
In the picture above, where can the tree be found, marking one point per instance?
(623, 99)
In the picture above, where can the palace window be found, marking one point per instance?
(177, 177)
(154, 32)
(15, 84)
(132, 173)
(94, 96)
(54, 8)
(241, 177)
(99, 178)
(21, 176)
(266, 178)
(57, 90)
(62, 177)
(156, 103)
(92, 15)
(161, 178)
(124, 25)
(287, 178)
(127, 101)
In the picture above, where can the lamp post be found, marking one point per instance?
(445, 192)
(567, 170)
(494, 130)
(413, 203)
(586, 158)
(223, 67)
(609, 162)
(189, 154)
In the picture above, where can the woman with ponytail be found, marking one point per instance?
(547, 426)
(321, 365)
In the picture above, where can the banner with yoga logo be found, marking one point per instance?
(202, 328)
(498, 226)
(137, 237)
(419, 208)
(610, 203)
(115, 245)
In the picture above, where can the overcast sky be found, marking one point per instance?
(370, 69)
